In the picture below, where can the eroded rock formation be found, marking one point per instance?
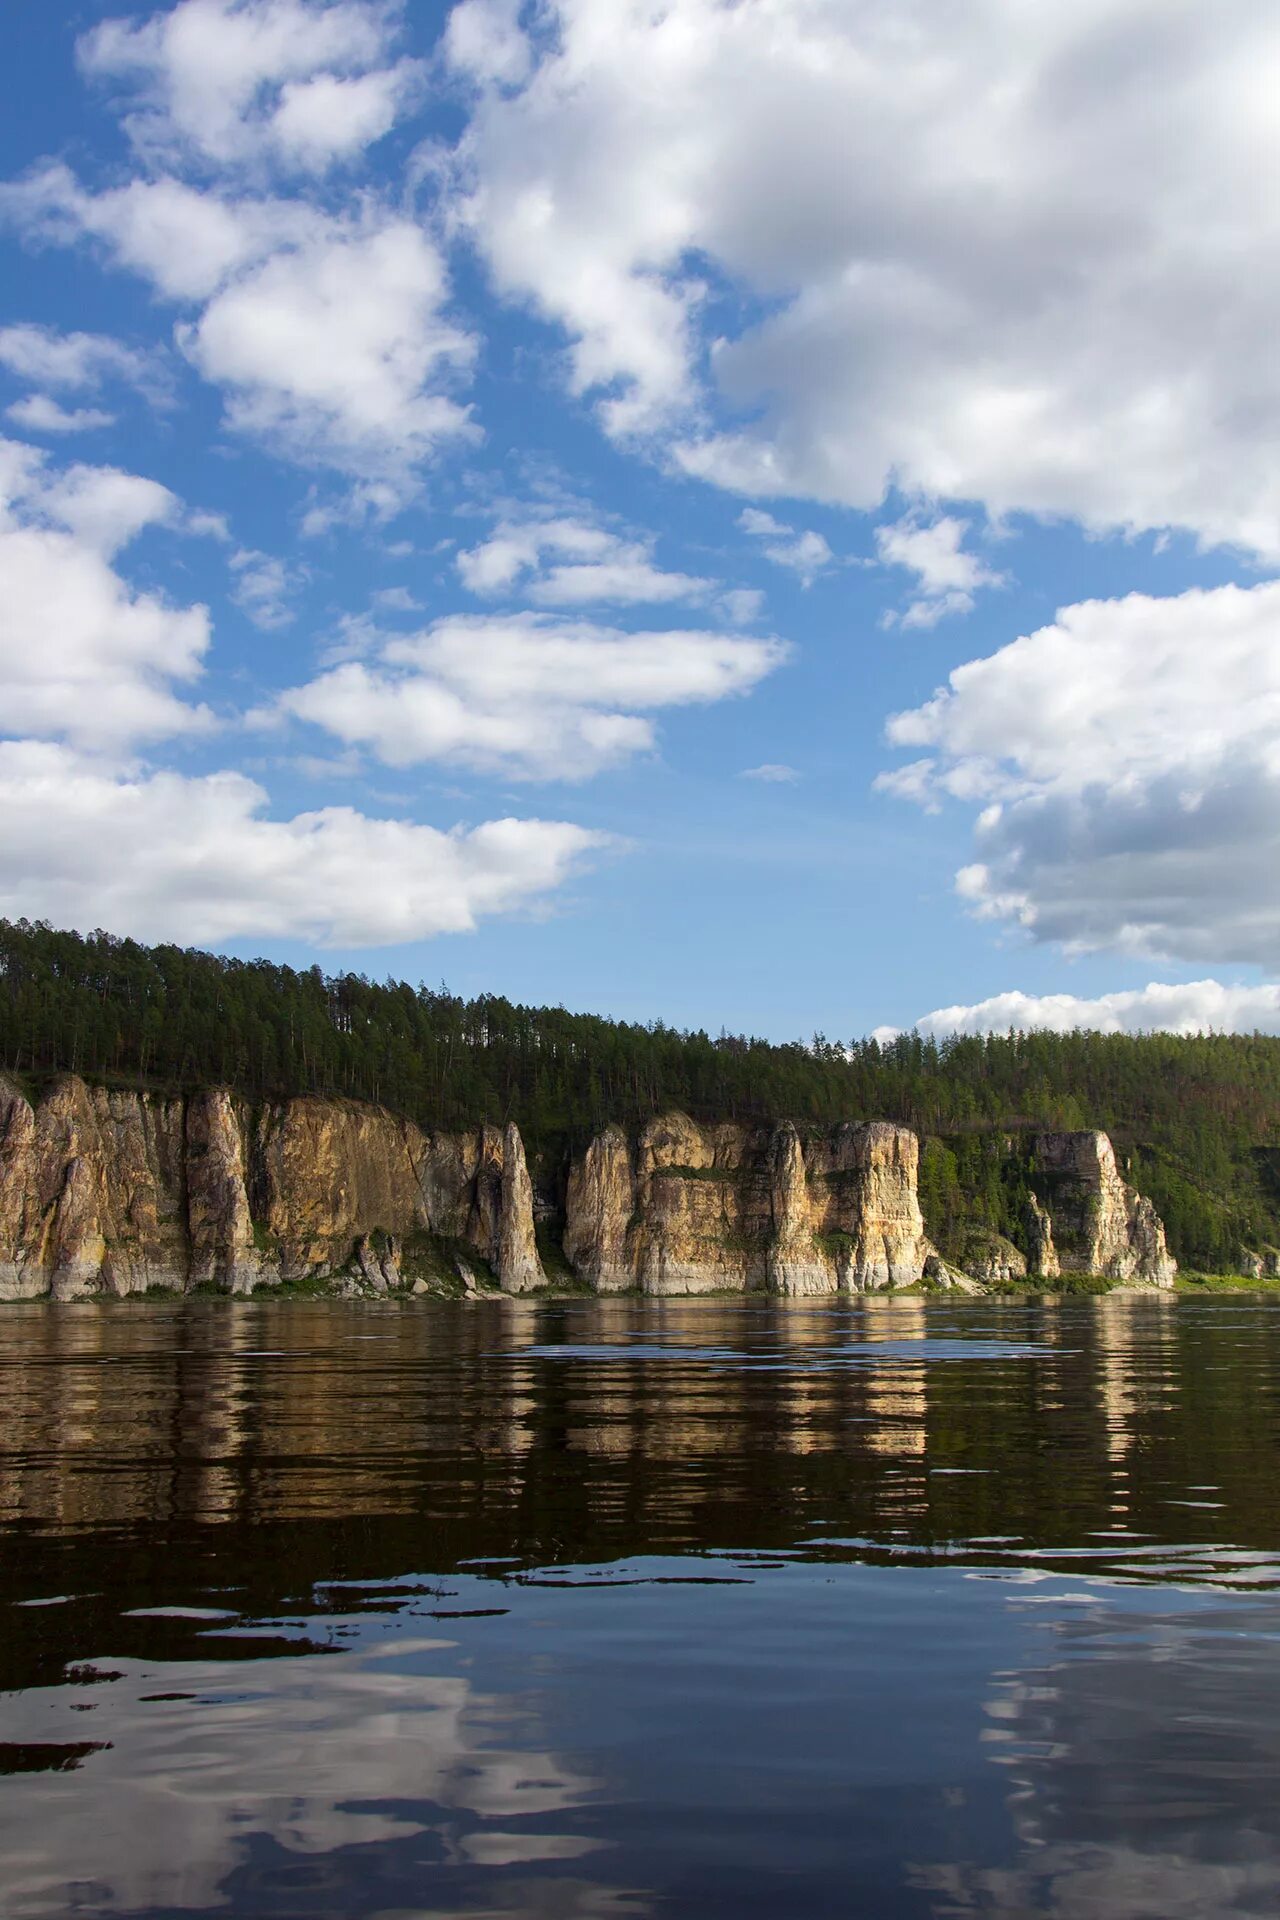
(117, 1192)
(699, 1209)
(1100, 1225)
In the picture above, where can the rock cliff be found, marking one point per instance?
(698, 1209)
(117, 1192)
(1088, 1219)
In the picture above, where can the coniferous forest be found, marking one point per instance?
(1195, 1119)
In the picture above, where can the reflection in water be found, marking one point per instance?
(682, 1608)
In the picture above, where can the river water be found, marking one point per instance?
(702, 1609)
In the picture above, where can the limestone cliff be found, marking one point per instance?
(704, 1208)
(117, 1192)
(599, 1202)
(1100, 1225)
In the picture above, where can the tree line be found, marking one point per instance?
(1196, 1118)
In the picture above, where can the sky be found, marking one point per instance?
(759, 514)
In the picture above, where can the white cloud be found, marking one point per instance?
(947, 576)
(772, 773)
(236, 81)
(187, 242)
(1201, 1006)
(483, 39)
(326, 351)
(1126, 765)
(527, 695)
(83, 657)
(38, 413)
(804, 553)
(740, 605)
(208, 526)
(205, 864)
(1009, 253)
(566, 562)
(264, 587)
(76, 361)
(326, 332)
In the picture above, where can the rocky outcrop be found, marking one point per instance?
(700, 1205)
(1259, 1265)
(220, 1225)
(699, 1209)
(519, 1268)
(995, 1261)
(1042, 1255)
(118, 1192)
(599, 1204)
(794, 1263)
(1100, 1225)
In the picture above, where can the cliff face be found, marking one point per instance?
(118, 1192)
(1095, 1222)
(698, 1209)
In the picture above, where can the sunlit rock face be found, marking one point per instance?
(1100, 1225)
(105, 1192)
(599, 1202)
(92, 1191)
(708, 1208)
(519, 1269)
(118, 1192)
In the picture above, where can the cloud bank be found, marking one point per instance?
(1201, 1006)
(1126, 764)
(971, 251)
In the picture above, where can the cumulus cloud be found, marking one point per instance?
(483, 40)
(566, 562)
(47, 357)
(83, 657)
(947, 577)
(165, 857)
(773, 773)
(1126, 767)
(806, 554)
(188, 241)
(235, 81)
(1201, 1006)
(1014, 254)
(39, 413)
(327, 351)
(527, 696)
(327, 332)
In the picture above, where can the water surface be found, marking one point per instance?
(687, 1609)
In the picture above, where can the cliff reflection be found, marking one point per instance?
(705, 1609)
(556, 1430)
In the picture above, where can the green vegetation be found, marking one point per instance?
(1225, 1283)
(1196, 1121)
(1064, 1283)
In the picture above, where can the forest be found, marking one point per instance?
(1196, 1119)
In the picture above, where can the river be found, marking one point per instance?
(700, 1609)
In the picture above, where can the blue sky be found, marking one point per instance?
(481, 483)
